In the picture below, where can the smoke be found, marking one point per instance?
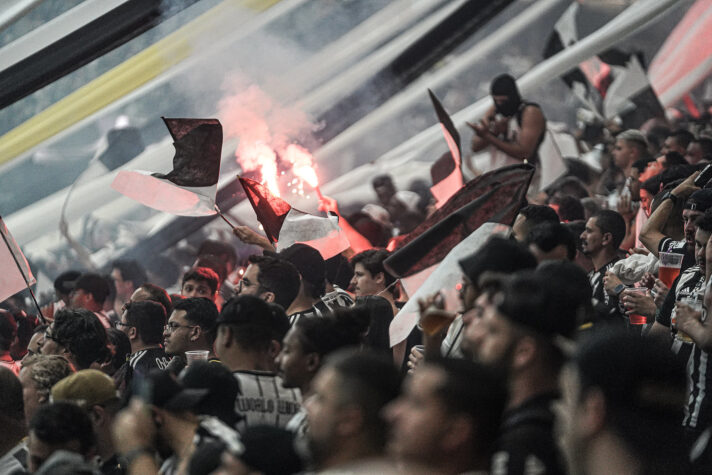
(267, 133)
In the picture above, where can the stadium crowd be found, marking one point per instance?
(579, 344)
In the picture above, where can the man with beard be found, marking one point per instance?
(695, 201)
(627, 420)
(600, 239)
(249, 336)
(689, 288)
(191, 327)
(511, 125)
(523, 324)
(690, 283)
(168, 422)
(347, 429)
(447, 417)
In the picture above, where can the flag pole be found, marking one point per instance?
(223, 217)
(24, 277)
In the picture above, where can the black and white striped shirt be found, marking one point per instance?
(144, 361)
(263, 400)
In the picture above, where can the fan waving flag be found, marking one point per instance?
(496, 197)
(15, 273)
(445, 172)
(613, 83)
(285, 225)
(189, 189)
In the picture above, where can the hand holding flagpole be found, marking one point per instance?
(246, 234)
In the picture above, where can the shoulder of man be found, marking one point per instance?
(527, 449)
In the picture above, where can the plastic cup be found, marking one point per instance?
(694, 301)
(634, 318)
(669, 268)
(196, 355)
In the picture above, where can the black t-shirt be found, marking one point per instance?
(526, 442)
(113, 466)
(678, 247)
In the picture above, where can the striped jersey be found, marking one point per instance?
(144, 361)
(263, 400)
(698, 410)
(327, 303)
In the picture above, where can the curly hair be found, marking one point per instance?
(46, 371)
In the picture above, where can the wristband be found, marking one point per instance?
(670, 196)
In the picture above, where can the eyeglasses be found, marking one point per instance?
(49, 336)
(122, 324)
(171, 327)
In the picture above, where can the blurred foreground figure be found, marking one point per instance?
(448, 416)
(13, 451)
(625, 420)
(347, 430)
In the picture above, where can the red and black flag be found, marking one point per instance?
(494, 197)
(285, 225)
(445, 172)
(189, 188)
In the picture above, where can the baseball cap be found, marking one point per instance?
(88, 387)
(700, 200)
(222, 386)
(167, 393)
(308, 262)
(527, 300)
(497, 255)
(270, 450)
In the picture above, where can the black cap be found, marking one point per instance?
(700, 200)
(497, 255)
(169, 394)
(527, 300)
(222, 387)
(308, 261)
(270, 450)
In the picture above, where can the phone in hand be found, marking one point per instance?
(704, 176)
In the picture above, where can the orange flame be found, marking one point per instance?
(302, 164)
(259, 156)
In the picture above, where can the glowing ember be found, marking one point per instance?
(302, 164)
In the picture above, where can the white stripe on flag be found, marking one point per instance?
(165, 195)
(13, 279)
(444, 277)
(321, 233)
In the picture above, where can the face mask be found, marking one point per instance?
(505, 85)
(507, 108)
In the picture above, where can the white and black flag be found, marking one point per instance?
(611, 84)
(189, 188)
